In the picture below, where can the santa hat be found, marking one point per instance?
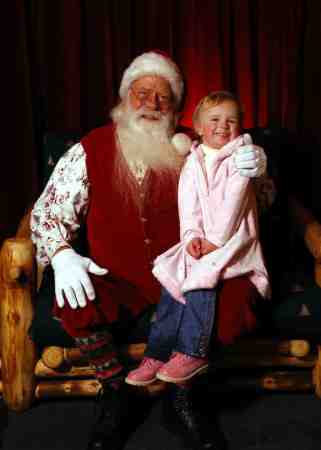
(153, 63)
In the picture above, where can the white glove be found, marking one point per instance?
(250, 159)
(71, 278)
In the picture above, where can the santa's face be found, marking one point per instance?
(151, 96)
(146, 120)
(149, 108)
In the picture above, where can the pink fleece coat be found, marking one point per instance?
(221, 207)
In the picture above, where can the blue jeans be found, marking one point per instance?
(182, 328)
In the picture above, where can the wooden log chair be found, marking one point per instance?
(284, 354)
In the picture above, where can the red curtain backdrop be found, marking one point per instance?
(240, 45)
(71, 54)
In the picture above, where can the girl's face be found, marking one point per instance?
(219, 124)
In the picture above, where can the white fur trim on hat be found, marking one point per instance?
(152, 63)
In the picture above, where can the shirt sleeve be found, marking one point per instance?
(59, 211)
(229, 210)
(189, 208)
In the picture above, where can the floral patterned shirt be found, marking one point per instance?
(57, 214)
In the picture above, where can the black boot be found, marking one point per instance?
(197, 431)
(108, 417)
(115, 418)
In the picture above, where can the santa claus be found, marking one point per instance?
(120, 181)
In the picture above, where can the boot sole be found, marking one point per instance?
(139, 383)
(169, 379)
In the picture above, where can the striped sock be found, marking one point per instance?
(99, 349)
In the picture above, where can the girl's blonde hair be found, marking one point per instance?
(215, 98)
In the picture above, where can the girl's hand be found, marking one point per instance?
(194, 248)
(207, 247)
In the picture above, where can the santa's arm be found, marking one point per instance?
(58, 213)
(55, 220)
(250, 159)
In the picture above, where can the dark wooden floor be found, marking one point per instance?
(287, 421)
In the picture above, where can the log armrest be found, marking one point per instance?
(18, 353)
(312, 238)
(310, 229)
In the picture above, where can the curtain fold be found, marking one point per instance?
(18, 181)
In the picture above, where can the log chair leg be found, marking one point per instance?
(18, 352)
(317, 374)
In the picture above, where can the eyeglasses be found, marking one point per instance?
(144, 95)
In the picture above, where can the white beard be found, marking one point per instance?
(146, 141)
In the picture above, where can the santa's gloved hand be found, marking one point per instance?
(250, 159)
(71, 278)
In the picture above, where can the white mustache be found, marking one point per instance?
(142, 113)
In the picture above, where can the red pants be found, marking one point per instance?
(235, 315)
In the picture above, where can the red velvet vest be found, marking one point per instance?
(123, 236)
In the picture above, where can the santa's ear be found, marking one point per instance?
(182, 143)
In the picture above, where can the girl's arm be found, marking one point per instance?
(190, 214)
(228, 211)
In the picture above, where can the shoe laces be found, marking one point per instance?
(149, 362)
(184, 357)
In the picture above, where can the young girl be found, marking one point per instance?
(219, 240)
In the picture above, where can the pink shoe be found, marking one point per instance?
(145, 373)
(181, 367)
